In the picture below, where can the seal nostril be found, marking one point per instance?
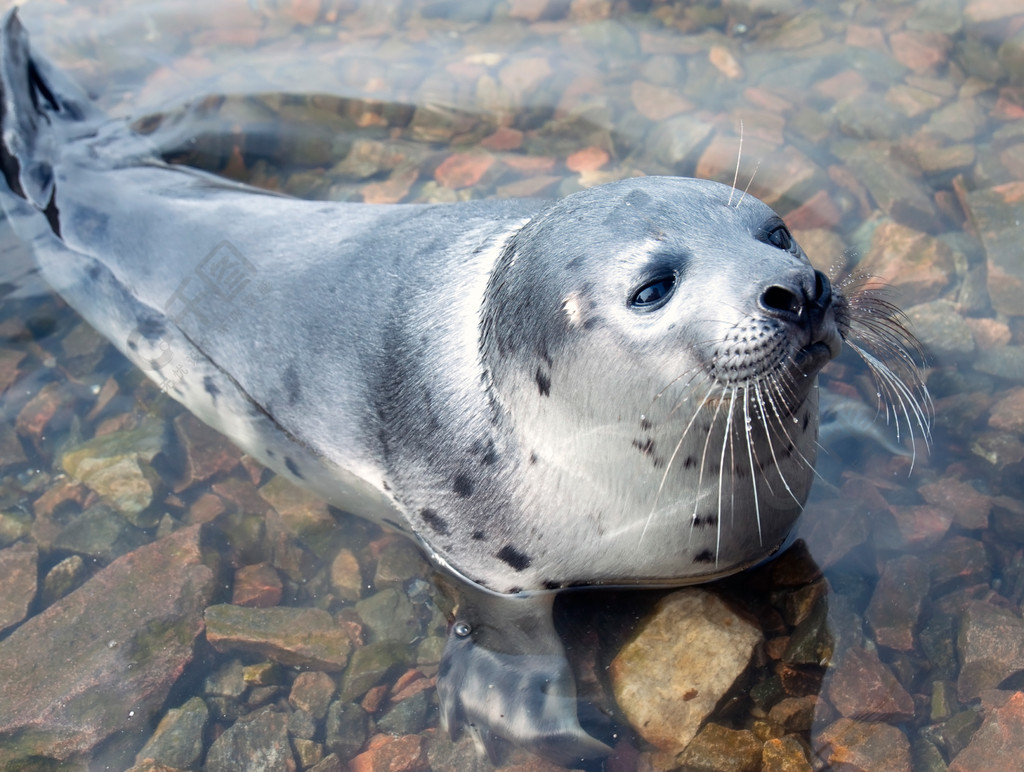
(777, 298)
(822, 289)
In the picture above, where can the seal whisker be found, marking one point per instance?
(736, 173)
(750, 456)
(771, 445)
(900, 395)
(671, 460)
(727, 443)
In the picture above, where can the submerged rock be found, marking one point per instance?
(684, 658)
(102, 660)
(18, 582)
(302, 637)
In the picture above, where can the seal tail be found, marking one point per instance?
(37, 106)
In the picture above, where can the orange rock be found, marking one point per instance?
(722, 59)
(463, 170)
(586, 160)
(393, 189)
(504, 138)
(392, 754)
(257, 586)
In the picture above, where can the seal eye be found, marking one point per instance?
(779, 236)
(654, 294)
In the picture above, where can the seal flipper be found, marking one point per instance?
(504, 674)
(37, 105)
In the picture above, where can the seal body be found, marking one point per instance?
(614, 388)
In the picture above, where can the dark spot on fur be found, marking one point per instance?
(435, 521)
(645, 425)
(293, 467)
(384, 485)
(550, 585)
(94, 272)
(211, 387)
(478, 536)
(292, 386)
(270, 453)
(700, 521)
(543, 383)
(690, 462)
(645, 446)
(807, 420)
(514, 590)
(705, 556)
(463, 486)
(592, 322)
(533, 458)
(518, 560)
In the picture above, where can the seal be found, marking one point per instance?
(617, 388)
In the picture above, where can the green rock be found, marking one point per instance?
(368, 667)
(345, 729)
(389, 616)
(178, 739)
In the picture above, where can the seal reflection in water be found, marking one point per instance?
(616, 388)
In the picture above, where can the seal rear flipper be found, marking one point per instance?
(504, 675)
(37, 104)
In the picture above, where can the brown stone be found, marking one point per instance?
(207, 452)
(849, 744)
(1008, 413)
(998, 743)
(38, 411)
(257, 586)
(971, 509)
(407, 753)
(990, 644)
(719, 749)
(784, 754)
(299, 637)
(862, 687)
(312, 692)
(102, 659)
(915, 264)
(680, 663)
(896, 603)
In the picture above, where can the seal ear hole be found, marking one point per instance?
(653, 294)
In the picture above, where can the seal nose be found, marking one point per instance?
(795, 300)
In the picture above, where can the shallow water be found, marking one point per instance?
(888, 135)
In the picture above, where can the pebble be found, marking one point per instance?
(990, 645)
(1000, 740)
(256, 743)
(298, 637)
(849, 744)
(312, 691)
(177, 740)
(670, 676)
